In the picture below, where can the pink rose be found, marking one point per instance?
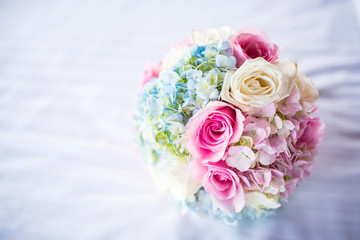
(212, 129)
(150, 72)
(251, 43)
(222, 183)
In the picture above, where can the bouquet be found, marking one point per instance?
(226, 126)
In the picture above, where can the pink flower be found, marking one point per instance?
(312, 135)
(222, 183)
(284, 163)
(290, 105)
(270, 148)
(302, 165)
(251, 43)
(150, 72)
(265, 158)
(273, 145)
(240, 157)
(295, 168)
(266, 111)
(289, 187)
(212, 129)
(299, 123)
(267, 180)
(185, 42)
(256, 128)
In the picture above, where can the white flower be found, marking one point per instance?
(174, 176)
(278, 122)
(260, 200)
(257, 83)
(175, 54)
(306, 87)
(284, 131)
(246, 141)
(211, 35)
(147, 131)
(281, 127)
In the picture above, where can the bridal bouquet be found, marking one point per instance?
(226, 126)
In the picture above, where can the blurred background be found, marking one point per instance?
(69, 75)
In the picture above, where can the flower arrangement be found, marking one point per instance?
(225, 126)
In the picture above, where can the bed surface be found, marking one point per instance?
(69, 75)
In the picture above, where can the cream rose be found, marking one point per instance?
(306, 87)
(174, 177)
(257, 83)
(211, 35)
(259, 200)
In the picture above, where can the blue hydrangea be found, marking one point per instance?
(201, 205)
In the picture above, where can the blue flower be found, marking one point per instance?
(225, 62)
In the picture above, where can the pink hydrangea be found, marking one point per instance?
(267, 180)
(290, 105)
(312, 135)
(266, 111)
(289, 187)
(256, 128)
(295, 168)
(240, 157)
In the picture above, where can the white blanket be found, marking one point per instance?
(69, 75)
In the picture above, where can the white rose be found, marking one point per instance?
(257, 83)
(175, 54)
(306, 87)
(175, 177)
(211, 35)
(260, 200)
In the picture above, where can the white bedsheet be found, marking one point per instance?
(69, 74)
